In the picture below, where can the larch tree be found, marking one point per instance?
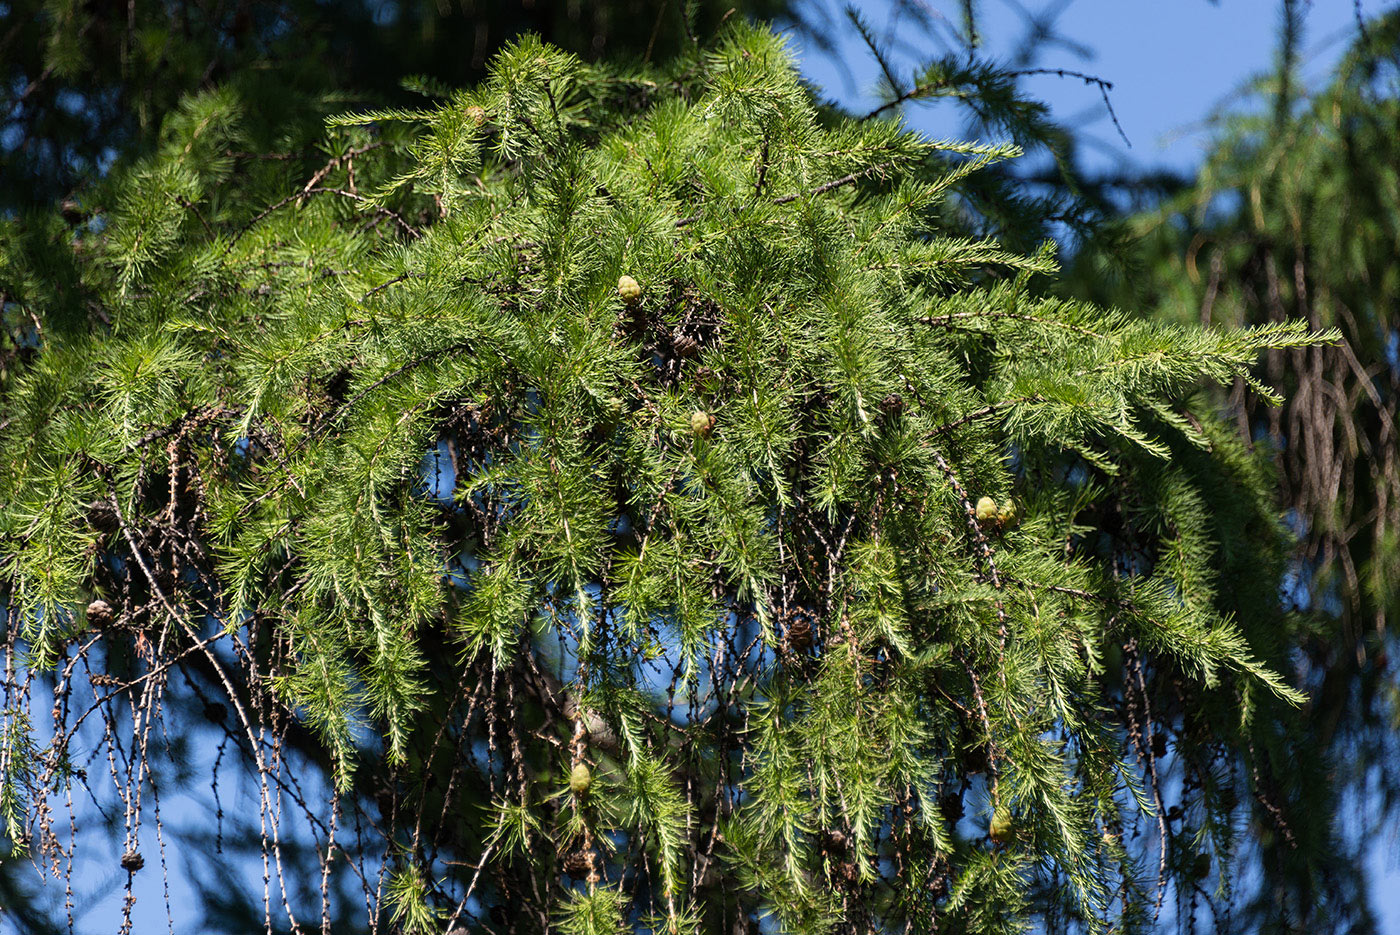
(634, 503)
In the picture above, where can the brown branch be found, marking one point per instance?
(1016, 316)
(819, 190)
(919, 90)
(192, 418)
(976, 414)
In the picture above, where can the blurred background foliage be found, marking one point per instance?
(1296, 213)
(88, 81)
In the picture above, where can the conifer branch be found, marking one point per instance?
(979, 538)
(987, 410)
(819, 190)
(175, 618)
(191, 419)
(917, 91)
(948, 317)
(955, 78)
(99, 701)
(335, 163)
(1136, 694)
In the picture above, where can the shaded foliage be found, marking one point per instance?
(86, 83)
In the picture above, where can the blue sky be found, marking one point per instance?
(1171, 64)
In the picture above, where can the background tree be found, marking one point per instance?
(87, 83)
(1294, 215)
(624, 492)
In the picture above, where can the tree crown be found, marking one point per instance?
(633, 462)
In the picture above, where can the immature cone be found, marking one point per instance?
(701, 423)
(1200, 869)
(986, 510)
(1000, 828)
(629, 289)
(1007, 514)
(580, 778)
